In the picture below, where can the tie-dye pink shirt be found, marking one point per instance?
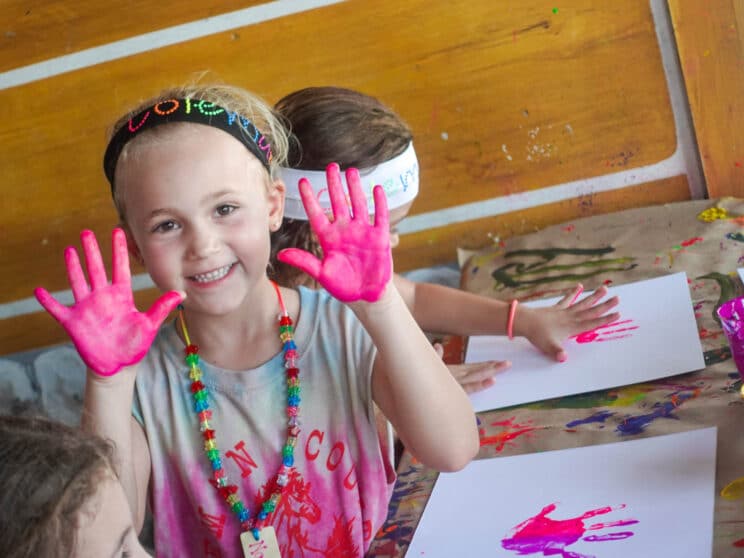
(338, 497)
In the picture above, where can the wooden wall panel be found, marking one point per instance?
(503, 98)
(710, 42)
(36, 31)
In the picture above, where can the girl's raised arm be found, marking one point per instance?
(111, 336)
(410, 383)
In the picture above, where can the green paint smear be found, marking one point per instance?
(521, 274)
(727, 287)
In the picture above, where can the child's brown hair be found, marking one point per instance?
(331, 124)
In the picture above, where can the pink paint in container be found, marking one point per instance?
(731, 314)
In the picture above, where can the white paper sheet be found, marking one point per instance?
(655, 337)
(660, 492)
(740, 271)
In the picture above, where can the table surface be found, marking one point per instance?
(613, 249)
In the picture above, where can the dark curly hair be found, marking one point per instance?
(331, 124)
(48, 472)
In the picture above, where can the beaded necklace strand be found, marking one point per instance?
(200, 393)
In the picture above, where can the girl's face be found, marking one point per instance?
(105, 525)
(199, 208)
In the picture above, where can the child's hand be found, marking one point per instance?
(357, 263)
(547, 328)
(107, 329)
(474, 376)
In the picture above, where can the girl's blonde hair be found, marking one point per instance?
(232, 99)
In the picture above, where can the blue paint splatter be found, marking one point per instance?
(599, 416)
(635, 425)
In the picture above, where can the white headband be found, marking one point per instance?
(399, 177)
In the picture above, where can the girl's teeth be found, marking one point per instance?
(212, 275)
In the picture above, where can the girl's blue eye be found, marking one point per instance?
(225, 209)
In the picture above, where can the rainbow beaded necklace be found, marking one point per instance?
(229, 492)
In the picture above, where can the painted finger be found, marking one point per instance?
(302, 260)
(382, 218)
(315, 214)
(439, 350)
(356, 194)
(93, 260)
(75, 274)
(336, 193)
(58, 311)
(163, 306)
(120, 272)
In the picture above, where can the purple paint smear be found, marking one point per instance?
(636, 424)
(599, 416)
(541, 534)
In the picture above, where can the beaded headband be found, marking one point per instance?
(398, 176)
(197, 111)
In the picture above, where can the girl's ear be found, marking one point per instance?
(276, 204)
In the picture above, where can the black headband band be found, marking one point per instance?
(188, 110)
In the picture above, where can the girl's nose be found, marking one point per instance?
(203, 242)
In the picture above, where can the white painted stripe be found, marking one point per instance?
(157, 39)
(684, 160)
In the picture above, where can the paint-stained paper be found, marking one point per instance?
(647, 497)
(655, 337)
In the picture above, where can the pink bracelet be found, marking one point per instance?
(510, 320)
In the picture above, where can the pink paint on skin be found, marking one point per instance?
(597, 336)
(357, 261)
(550, 537)
(579, 290)
(106, 328)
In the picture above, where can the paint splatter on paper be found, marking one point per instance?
(543, 535)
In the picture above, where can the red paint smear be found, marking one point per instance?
(739, 543)
(737, 163)
(691, 241)
(569, 228)
(607, 282)
(511, 431)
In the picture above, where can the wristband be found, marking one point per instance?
(510, 319)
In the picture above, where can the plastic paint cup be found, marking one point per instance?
(731, 314)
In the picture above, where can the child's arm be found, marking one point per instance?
(410, 383)
(414, 389)
(111, 335)
(441, 309)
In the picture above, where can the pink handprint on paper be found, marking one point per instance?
(542, 534)
(609, 332)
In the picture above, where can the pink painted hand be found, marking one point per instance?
(104, 324)
(357, 262)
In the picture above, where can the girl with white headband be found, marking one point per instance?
(332, 124)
